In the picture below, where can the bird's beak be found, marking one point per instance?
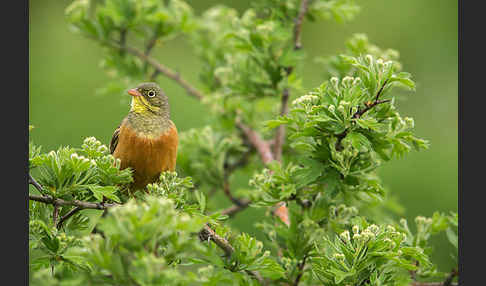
(134, 92)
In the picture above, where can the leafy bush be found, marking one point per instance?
(309, 158)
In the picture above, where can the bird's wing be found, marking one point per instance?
(114, 139)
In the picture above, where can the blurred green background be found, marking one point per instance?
(65, 74)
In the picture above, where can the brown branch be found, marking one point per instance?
(262, 146)
(207, 234)
(284, 109)
(298, 23)
(34, 183)
(234, 209)
(55, 213)
(77, 203)
(359, 113)
(158, 67)
(447, 282)
(67, 216)
(280, 135)
(301, 272)
(266, 155)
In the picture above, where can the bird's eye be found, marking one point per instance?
(151, 93)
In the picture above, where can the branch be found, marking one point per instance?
(207, 233)
(280, 135)
(158, 67)
(55, 213)
(447, 282)
(284, 109)
(262, 146)
(359, 113)
(67, 216)
(34, 183)
(234, 209)
(301, 272)
(77, 203)
(298, 23)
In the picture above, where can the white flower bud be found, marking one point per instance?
(332, 108)
(355, 229)
(339, 256)
(334, 81)
(345, 236)
(373, 228)
(369, 58)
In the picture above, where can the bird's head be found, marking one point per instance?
(148, 98)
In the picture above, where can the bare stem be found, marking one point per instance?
(280, 135)
(262, 146)
(234, 209)
(67, 216)
(284, 109)
(191, 90)
(34, 183)
(55, 213)
(207, 234)
(61, 202)
(301, 272)
(298, 23)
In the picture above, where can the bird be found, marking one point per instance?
(146, 139)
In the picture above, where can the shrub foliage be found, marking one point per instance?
(308, 157)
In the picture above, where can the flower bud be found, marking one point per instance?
(345, 236)
(373, 228)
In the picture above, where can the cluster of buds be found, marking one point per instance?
(349, 81)
(80, 158)
(339, 257)
(306, 99)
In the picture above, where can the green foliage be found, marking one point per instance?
(344, 129)
(87, 173)
(213, 150)
(340, 230)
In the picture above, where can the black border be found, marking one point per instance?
(14, 122)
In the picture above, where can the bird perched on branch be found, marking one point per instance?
(146, 139)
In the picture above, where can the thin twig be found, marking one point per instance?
(77, 203)
(191, 90)
(67, 216)
(301, 272)
(280, 135)
(284, 108)
(359, 113)
(55, 213)
(207, 234)
(266, 155)
(262, 146)
(34, 183)
(234, 209)
(298, 23)
(447, 282)
(123, 40)
(226, 185)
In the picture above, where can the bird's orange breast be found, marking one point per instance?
(148, 157)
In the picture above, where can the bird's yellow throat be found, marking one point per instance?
(142, 106)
